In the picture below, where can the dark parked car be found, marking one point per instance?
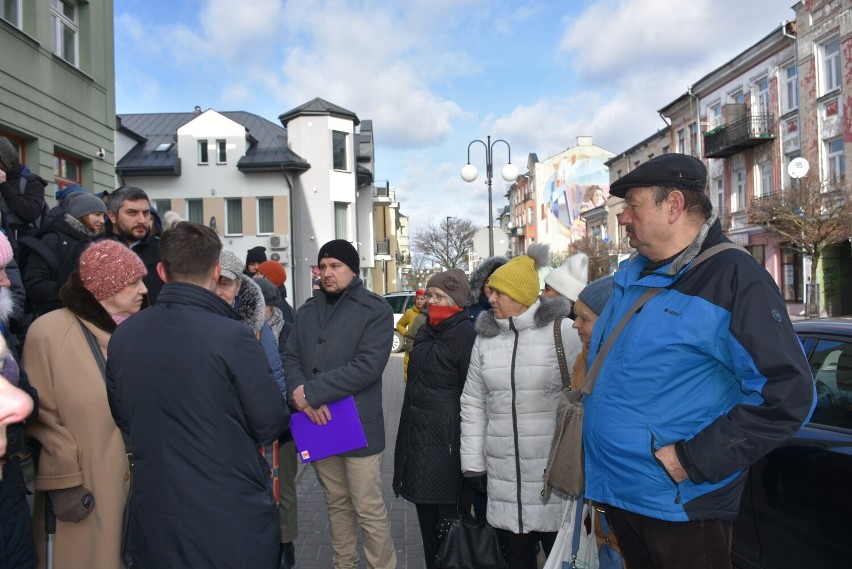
(797, 505)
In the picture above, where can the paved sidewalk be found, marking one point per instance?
(313, 546)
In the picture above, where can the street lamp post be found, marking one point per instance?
(509, 173)
(447, 244)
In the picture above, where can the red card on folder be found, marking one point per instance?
(342, 434)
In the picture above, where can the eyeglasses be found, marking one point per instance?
(434, 297)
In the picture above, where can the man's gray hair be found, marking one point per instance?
(694, 202)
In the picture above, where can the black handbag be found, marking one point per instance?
(467, 542)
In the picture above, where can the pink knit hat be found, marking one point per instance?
(5, 250)
(107, 266)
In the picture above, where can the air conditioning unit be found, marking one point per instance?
(275, 257)
(279, 242)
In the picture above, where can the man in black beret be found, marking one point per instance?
(339, 346)
(706, 378)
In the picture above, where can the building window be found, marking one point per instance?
(666, 149)
(64, 16)
(233, 216)
(835, 159)
(202, 152)
(10, 10)
(221, 152)
(162, 206)
(719, 198)
(693, 139)
(715, 115)
(767, 184)
(341, 220)
(195, 211)
(791, 91)
(739, 197)
(791, 275)
(265, 217)
(763, 95)
(759, 253)
(66, 171)
(831, 65)
(681, 141)
(738, 97)
(18, 143)
(530, 216)
(338, 150)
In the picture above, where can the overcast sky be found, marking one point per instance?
(433, 75)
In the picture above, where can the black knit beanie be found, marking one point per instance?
(256, 255)
(341, 250)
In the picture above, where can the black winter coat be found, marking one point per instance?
(42, 281)
(192, 387)
(427, 467)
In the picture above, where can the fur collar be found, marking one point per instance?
(81, 302)
(7, 304)
(481, 274)
(545, 313)
(79, 226)
(250, 305)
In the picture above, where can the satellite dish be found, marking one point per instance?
(798, 168)
(480, 242)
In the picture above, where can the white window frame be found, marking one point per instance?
(221, 151)
(341, 220)
(693, 139)
(762, 85)
(715, 112)
(767, 178)
(203, 152)
(835, 160)
(18, 21)
(719, 190)
(195, 202)
(229, 203)
(335, 148)
(791, 84)
(738, 195)
(60, 22)
(681, 141)
(830, 65)
(260, 202)
(530, 215)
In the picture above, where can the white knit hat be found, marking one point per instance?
(569, 278)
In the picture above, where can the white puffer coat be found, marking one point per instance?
(508, 411)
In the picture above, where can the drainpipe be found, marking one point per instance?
(699, 134)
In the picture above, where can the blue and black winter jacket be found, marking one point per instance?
(712, 365)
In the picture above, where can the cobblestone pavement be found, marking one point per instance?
(313, 546)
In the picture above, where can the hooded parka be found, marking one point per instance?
(508, 412)
(426, 460)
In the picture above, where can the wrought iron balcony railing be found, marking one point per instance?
(748, 131)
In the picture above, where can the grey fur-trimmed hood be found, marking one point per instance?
(547, 311)
(481, 274)
(250, 305)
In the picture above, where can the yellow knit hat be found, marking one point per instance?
(519, 277)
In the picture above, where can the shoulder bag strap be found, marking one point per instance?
(99, 359)
(648, 295)
(560, 352)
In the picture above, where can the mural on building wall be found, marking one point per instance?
(577, 181)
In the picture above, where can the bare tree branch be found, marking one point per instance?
(448, 243)
(812, 215)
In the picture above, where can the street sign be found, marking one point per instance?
(798, 168)
(480, 242)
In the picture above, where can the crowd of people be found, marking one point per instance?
(152, 376)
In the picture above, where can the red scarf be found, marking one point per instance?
(438, 313)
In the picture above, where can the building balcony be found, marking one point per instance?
(382, 195)
(383, 250)
(748, 131)
(404, 261)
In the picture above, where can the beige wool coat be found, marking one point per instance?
(80, 441)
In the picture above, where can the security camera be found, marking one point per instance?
(101, 153)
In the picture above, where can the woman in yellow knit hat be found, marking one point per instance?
(508, 406)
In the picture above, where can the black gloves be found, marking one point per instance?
(72, 504)
(479, 483)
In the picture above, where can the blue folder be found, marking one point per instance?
(342, 434)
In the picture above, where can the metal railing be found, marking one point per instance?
(745, 132)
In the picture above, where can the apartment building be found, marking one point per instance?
(57, 84)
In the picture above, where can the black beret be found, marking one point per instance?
(669, 170)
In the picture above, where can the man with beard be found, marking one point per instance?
(129, 212)
(51, 256)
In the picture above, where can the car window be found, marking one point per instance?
(831, 365)
(397, 303)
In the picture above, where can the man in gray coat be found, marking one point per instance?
(339, 346)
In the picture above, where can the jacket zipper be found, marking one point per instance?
(515, 430)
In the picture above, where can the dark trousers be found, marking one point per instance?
(429, 516)
(519, 548)
(648, 543)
